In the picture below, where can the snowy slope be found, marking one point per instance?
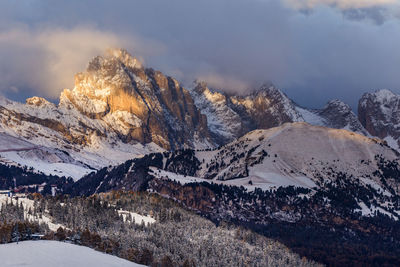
(264, 180)
(300, 155)
(90, 141)
(231, 116)
(50, 161)
(54, 253)
(294, 149)
(336, 114)
(46, 218)
(28, 204)
(222, 120)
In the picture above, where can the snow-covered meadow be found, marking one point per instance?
(54, 253)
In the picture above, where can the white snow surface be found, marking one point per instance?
(298, 154)
(303, 150)
(311, 117)
(50, 161)
(392, 142)
(28, 204)
(221, 119)
(139, 219)
(384, 95)
(370, 212)
(263, 180)
(54, 253)
(33, 145)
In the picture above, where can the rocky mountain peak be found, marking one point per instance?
(338, 105)
(200, 86)
(335, 114)
(382, 96)
(266, 88)
(124, 57)
(379, 112)
(113, 57)
(338, 114)
(231, 116)
(118, 105)
(109, 73)
(163, 111)
(39, 102)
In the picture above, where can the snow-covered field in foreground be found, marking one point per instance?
(54, 253)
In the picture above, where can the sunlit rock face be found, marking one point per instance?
(379, 112)
(155, 107)
(116, 111)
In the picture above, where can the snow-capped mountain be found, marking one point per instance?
(116, 111)
(140, 104)
(294, 154)
(257, 160)
(51, 161)
(336, 114)
(379, 112)
(230, 117)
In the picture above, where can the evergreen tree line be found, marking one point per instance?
(177, 238)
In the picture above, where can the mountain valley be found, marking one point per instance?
(258, 161)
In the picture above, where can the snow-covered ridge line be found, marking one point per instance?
(231, 116)
(119, 110)
(298, 155)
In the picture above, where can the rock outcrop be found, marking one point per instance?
(379, 112)
(154, 107)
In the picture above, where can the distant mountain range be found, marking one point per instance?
(294, 154)
(119, 109)
(316, 189)
(258, 160)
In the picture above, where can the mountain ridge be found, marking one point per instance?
(120, 109)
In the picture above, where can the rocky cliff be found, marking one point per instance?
(117, 110)
(379, 112)
(231, 116)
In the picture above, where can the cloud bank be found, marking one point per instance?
(45, 61)
(235, 45)
(377, 11)
(341, 4)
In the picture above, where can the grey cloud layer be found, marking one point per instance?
(341, 4)
(234, 44)
(45, 61)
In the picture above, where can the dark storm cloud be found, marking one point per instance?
(376, 15)
(233, 44)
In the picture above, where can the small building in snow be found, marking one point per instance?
(6, 192)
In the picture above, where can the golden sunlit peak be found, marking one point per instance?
(124, 56)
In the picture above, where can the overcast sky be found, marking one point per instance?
(314, 50)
